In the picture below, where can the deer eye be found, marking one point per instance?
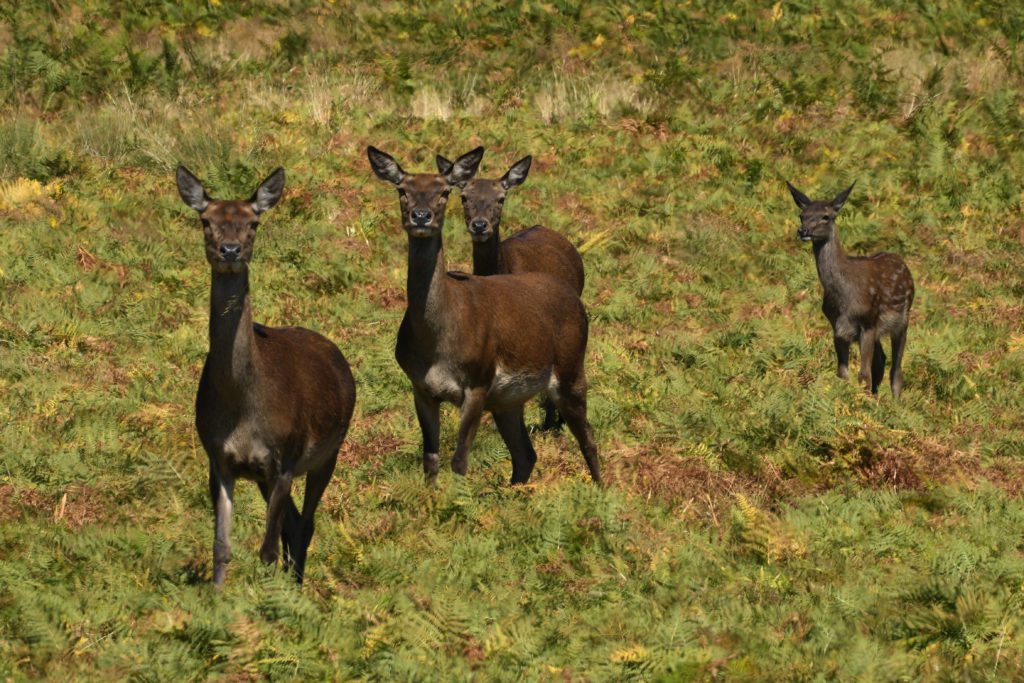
(205, 222)
(401, 193)
(444, 195)
(255, 225)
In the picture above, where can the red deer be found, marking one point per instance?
(866, 297)
(274, 403)
(482, 343)
(534, 250)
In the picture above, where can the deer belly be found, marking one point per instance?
(511, 389)
(443, 383)
(244, 453)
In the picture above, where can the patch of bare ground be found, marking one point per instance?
(76, 507)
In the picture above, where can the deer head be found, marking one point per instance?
(229, 226)
(423, 197)
(483, 199)
(817, 218)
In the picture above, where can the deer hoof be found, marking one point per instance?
(268, 555)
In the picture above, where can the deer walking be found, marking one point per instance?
(534, 250)
(273, 403)
(482, 343)
(866, 297)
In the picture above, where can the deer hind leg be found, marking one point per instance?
(291, 526)
(552, 418)
(221, 494)
(842, 357)
(899, 343)
(279, 501)
(877, 366)
(867, 349)
(571, 400)
(469, 420)
(316, 484)
(428, 413)
(513, 431)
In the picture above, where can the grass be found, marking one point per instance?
(765, 521)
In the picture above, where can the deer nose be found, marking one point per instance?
(231, 252)
(478, 226)
(421, 216)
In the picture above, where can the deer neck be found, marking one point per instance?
(231, 357)
(487, 258)
(830, 259)
(426, 285)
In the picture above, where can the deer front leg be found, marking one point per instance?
(469, 420)
(867, 352)
(428, 413)
(221, 494)
(280, 500)
(842, 357)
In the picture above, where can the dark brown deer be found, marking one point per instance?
(866, 297)
(482, 343)
(534, 250)
(274, 403)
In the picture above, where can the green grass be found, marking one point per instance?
(764, 521)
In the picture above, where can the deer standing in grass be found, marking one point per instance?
(866, 297)
(482, 343)
(534, 250)
(273, 403)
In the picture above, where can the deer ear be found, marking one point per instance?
(444, 167)
(517, 174)
(464, 168)
(802, 200)
(191, 189)
(269, 192)
(385, 166)
(840, 199)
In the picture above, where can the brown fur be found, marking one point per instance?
(273, 403)
(865, 297)
(535, 250)
(483, 343)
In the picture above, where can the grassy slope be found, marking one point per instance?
(764, 521)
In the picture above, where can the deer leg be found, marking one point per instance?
(877, 366)
(221, 493)
(842, 357)
(552, 418)
(280, 500)
(291, 520)
(572, 403)
(899, 342)
(867, 348)
(513, 431)
(316, 484)
(428, 413)
(469, 420)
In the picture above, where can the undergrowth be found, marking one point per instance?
(765, 520)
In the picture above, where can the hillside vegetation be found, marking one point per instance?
(764, 520)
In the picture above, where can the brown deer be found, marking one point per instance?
(534, 250)
(482, 343)
(274, 403)
(866, 297)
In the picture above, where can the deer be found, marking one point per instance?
(865, 297)
(535, 250)
(482, 343)
(274, 403)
